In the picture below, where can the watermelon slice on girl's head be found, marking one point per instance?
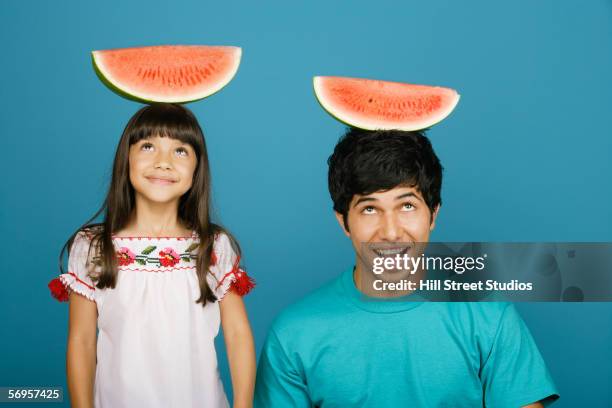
(167, 73)
(380, 105)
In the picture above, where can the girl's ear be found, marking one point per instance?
(340, 219)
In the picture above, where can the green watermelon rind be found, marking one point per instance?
(111, 86)
(347, 121)
(121, 92)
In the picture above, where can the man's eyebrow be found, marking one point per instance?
(410, 194)
(364, 199)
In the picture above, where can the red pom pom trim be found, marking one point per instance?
(58, 290)
(243, 283)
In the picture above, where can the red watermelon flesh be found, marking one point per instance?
(167, 73)
(372, 104)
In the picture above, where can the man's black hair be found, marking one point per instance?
(366, 161)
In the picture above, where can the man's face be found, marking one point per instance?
(383, 217)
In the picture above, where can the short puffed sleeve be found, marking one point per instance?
(77, 278)
(225, 271)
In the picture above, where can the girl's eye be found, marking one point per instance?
(181, 151)
(368, 210)
(146, 147)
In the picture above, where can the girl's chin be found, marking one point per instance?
(158, 199)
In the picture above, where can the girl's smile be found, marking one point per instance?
(160, 180)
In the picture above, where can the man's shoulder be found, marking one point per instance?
(486, 310)
(479, 312)
(315, 308)
(484, 318)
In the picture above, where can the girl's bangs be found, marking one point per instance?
(166, 120)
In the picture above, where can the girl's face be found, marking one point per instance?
(161, 168)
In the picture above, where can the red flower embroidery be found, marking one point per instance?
(168, 257)
(125, 256)
(58, 290)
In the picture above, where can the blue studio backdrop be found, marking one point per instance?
(526, 153)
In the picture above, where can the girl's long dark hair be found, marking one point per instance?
(166, 120)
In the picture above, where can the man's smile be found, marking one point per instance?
(391, 250)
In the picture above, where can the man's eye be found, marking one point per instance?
(181, 151)
(368, 210)
(408, 207)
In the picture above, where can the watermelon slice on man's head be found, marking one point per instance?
(380, 105)
(167, 73)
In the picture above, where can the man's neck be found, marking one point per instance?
(364, 281)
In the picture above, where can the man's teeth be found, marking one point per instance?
(390, 252)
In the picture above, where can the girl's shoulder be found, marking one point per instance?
(83, 268)
(224, 243)
(83, 239)
(86, 235)
(226, 271)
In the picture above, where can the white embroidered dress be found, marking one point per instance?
(155, 343)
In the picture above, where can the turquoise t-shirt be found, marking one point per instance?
(336, 349)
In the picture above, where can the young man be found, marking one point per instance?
(336, 348)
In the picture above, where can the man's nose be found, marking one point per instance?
(391, 230)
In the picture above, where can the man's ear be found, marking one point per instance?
(340, 219)
(433, 218)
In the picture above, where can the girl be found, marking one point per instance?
(157, 276)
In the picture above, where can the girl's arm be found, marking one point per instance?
(81, 354)
(240, 348)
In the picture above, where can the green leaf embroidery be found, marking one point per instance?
(148, 249)
(192, 247)
(185, 259)
(141, 261)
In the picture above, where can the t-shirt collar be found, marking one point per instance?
(377, 305)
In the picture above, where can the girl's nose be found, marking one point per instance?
(162, 161)
(163, 165)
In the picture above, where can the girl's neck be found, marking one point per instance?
(151, 219)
